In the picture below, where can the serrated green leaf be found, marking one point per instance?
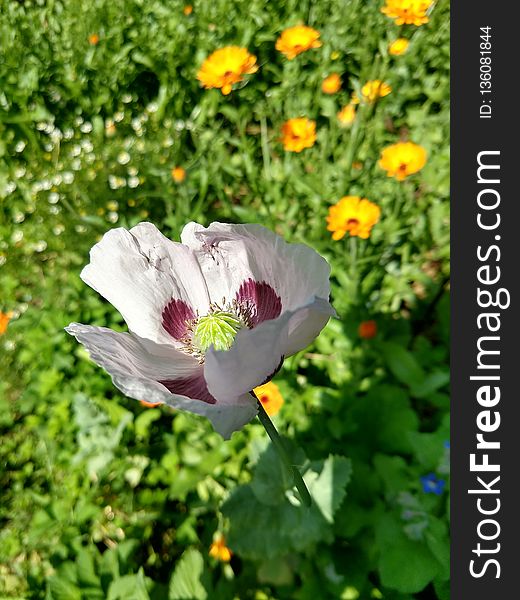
(271, 479)
(61, 589)
(125, 549)
(85, 568)
(329, 488)
(284, 527)
(129, 587)
(185, 582)
(258, 530)
(109, 566)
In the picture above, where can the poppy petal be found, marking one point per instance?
(257, 354)
(140, 271)
(230, 255)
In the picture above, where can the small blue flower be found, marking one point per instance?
(447, 444)
(432, 485)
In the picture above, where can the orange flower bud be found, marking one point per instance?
(367, 329)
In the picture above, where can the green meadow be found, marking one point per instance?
(104, 123)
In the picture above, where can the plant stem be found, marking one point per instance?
(279, 447)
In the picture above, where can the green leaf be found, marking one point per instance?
(386, 413)
(276, 572)
(433, 382)
(143, 59)
(275, 529)
(428, 448)
(442, 589)
(404, 565)
(271, 530)
(329, 488)
(144, 420)
(129, 587)
(48, 380)
(125, 549)
(402, 364)
(393, 471)
(245, 214)
(271, 480)
(61, 589)
(109, 566)
(229, 112)
(85, 568)
(185, 583)
(438, 542)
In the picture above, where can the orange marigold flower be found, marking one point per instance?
(178, 174)
(372, 90)
(353, 215)
(407, 12)
(93, 39)
(219, 550)
(295, 40)
(398, 47)
(331, 84)
(402, 159)
(149, 404)
(367, 329)
(270, 397)
(4, 321)
(347, 115)
(225, 67)
(298, 134)
(187, 10)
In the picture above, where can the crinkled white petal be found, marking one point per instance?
(256, 353)
(128, 354)
(306, 324)
(136, 365)
(139, 271)
(231, 254)
(222, 282)
(227, 418)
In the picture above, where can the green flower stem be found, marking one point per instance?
(353, 248)
(266, 157)
(400, 201)
(351, 149)
(279, 447)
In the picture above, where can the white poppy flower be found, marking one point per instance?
(210, 318)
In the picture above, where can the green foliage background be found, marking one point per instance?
(103, 498)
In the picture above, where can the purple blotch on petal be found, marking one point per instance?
(175, 317)
(192, 387)
(263, 301)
